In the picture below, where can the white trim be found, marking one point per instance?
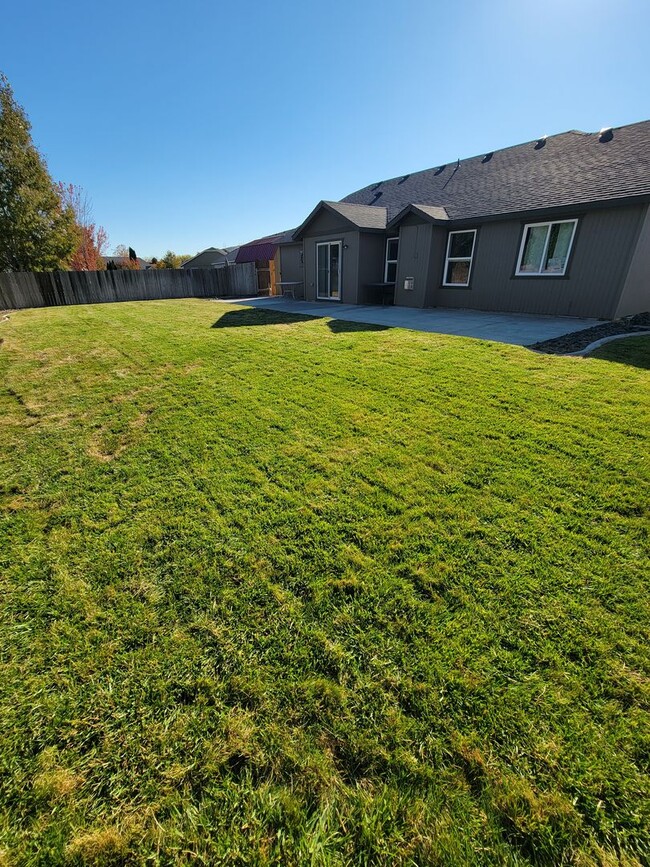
(328, 244)
(388, 261)
(524, 236)
(449, 258)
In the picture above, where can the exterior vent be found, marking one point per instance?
(606, 134)
(541, 142)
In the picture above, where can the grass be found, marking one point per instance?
(281, 592)
(630, 350)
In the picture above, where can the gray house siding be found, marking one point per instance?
(325, 222)
(597, 269)
(349, 265)
(635, 296)
(291, 268)
(439, 237)
(372, 258)
(329, 227)
(415, 247)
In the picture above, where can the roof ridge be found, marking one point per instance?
(452, 162)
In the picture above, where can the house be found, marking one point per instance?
(558, 226)
(212, 257)
(124, 262)
(278, 262)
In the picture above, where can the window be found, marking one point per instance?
(390, 271)
(458, 265)
(545, 249)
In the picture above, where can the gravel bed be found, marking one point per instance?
(577, 340)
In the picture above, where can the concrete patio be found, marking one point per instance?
(519, 329)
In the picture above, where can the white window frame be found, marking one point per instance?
(449, 258)
(329, 259)
(388, 261)
(524, 236)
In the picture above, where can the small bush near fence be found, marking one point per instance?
(26, 289)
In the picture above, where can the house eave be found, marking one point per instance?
(578, 207)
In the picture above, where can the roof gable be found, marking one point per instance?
(366, 217)
(429, 213)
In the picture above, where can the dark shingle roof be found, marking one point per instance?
(569, 168)
(359, 215)
(432, 212)
(362, 215)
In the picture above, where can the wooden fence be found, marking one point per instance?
(49, 289)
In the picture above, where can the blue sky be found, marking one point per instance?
(202, 124)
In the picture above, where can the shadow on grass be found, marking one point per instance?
(250, 316)
(343, 326)
(633, 351)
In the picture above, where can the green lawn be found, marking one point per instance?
(302, 592)
(629, 350)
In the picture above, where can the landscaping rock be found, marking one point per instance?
(577, 340)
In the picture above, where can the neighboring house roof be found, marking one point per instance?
(122, 260)
(218, 251)
(359, 216)
(263, 249)
(560, 170)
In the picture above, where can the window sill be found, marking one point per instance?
(542, 276)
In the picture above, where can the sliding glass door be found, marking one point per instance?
(328, 270)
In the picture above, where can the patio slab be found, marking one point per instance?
(519, 329)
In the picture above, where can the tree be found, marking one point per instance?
(172, 260)
(37, 230)
(89, 253)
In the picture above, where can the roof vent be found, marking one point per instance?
(377, 196)
(375, 186)
(440, 170)
(540, 143)
(606, 134)
(405, 178)
(487, 157)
